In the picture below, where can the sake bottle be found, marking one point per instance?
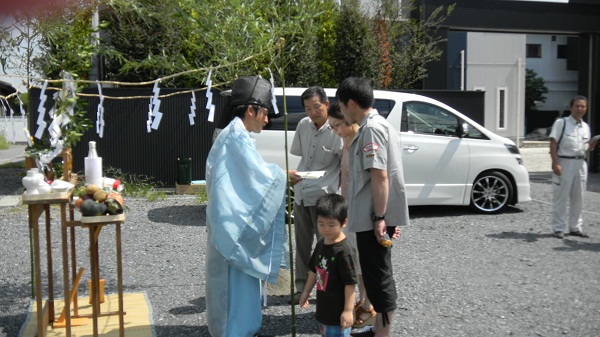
(93, 166)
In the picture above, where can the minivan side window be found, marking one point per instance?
(295, 114)
(424, 118)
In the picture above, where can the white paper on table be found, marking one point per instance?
(311, 174)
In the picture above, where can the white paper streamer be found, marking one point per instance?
(47, 157)
(12, 123)
(273, 99)
(24, 119)
(155, 109)
(68, 91)
(149, 121)
(192, 108)
(42, 112)
(209, 106)
(61, 119)
(4, 102)
(28, 136)
(54, 127)
(100, 113)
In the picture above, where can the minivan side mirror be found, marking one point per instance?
(462, 130)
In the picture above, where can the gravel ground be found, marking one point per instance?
(458, 273)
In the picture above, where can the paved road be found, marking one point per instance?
(15, 153)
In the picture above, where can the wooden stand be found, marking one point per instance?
(38, 204)
(94, 225)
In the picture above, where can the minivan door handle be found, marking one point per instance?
(411, 148)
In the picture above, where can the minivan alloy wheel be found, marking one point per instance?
(491, 193)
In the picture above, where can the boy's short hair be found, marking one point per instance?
(332, 206)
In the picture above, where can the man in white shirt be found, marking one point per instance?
(320, 149)
(569, 142)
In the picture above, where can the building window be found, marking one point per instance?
(534, 50)
(561, 51)
(501, 108)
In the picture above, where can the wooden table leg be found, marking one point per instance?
(49, 261)
(94, 269)
(65, 257)
(120, 280)
(73, 261)
(33, 222)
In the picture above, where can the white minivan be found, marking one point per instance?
(448, 159)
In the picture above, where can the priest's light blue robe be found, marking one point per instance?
(247, 238)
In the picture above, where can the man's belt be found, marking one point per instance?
(572, 157)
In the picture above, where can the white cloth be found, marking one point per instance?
(247, 238)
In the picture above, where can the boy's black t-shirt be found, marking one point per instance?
(334, 267)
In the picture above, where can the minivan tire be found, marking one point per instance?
(492, 192)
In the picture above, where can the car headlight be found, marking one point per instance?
(512, 148)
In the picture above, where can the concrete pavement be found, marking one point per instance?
(14, 154)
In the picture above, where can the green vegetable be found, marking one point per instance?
(91, 208)
(114, 207)
(88, 207)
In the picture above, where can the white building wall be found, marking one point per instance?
(494, 62)
(561, 83)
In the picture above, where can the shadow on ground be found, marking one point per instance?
(453, 211)
(526, 237)
(570, 245)
(184, 215)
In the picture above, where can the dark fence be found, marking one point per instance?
(128, 146)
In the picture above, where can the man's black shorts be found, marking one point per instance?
(377, 272)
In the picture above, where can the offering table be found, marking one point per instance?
(95, 225)
(39, 204)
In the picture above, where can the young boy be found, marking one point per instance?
(331, 268)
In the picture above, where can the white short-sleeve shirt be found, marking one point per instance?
(320, 150)
(574, 141)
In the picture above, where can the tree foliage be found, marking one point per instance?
(535, 90)
(18, 41)
(414, 41)
(356, 51)
(66, 41)
(143, 40)
(149, 39)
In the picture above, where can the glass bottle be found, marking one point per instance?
(92, 150)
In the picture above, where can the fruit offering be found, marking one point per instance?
(95, 201)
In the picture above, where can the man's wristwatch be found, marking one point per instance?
(377, 217)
